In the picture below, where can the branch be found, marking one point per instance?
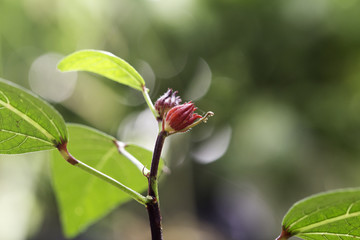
(73, 161)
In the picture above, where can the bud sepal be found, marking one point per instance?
(167, 101)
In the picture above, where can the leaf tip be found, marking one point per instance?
(60, 65)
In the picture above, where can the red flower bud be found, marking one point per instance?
(180, 117)
(166, 102)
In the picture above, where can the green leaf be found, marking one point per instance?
(83, 198)
(27, 123)
(330, 215)
(105, 64)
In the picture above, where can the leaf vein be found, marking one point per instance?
(21, 134)
(28, 119)
(327, 221)
(47, 116)
(6, 98)
(8, 139)
(339, 235)
(19, 145)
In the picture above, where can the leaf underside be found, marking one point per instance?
(105, 64)
(27, 123)
(330, 215)
(83, 198)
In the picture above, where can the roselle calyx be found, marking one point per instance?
(180, 118)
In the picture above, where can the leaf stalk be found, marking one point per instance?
(73, 161)
(145, 92)
(285, 234)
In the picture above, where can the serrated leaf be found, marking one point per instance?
(330, 215)
(27, 123)
(83, 198)
(105, 64)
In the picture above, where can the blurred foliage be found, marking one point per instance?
(281, 76)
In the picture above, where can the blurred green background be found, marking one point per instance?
(283, 78)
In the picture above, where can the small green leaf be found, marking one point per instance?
(27, 123)
(83, 198)
(105, 64)
(330, 215)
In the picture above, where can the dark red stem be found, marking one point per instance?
(153, 206)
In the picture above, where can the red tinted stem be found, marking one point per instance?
(153, 207)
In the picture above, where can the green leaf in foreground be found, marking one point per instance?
(27, 123)
(331, 215)
(83, 198)
(105, 64)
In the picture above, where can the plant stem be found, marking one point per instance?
(73, 161)
(147, 98)
(121, 148)
(153, 207)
